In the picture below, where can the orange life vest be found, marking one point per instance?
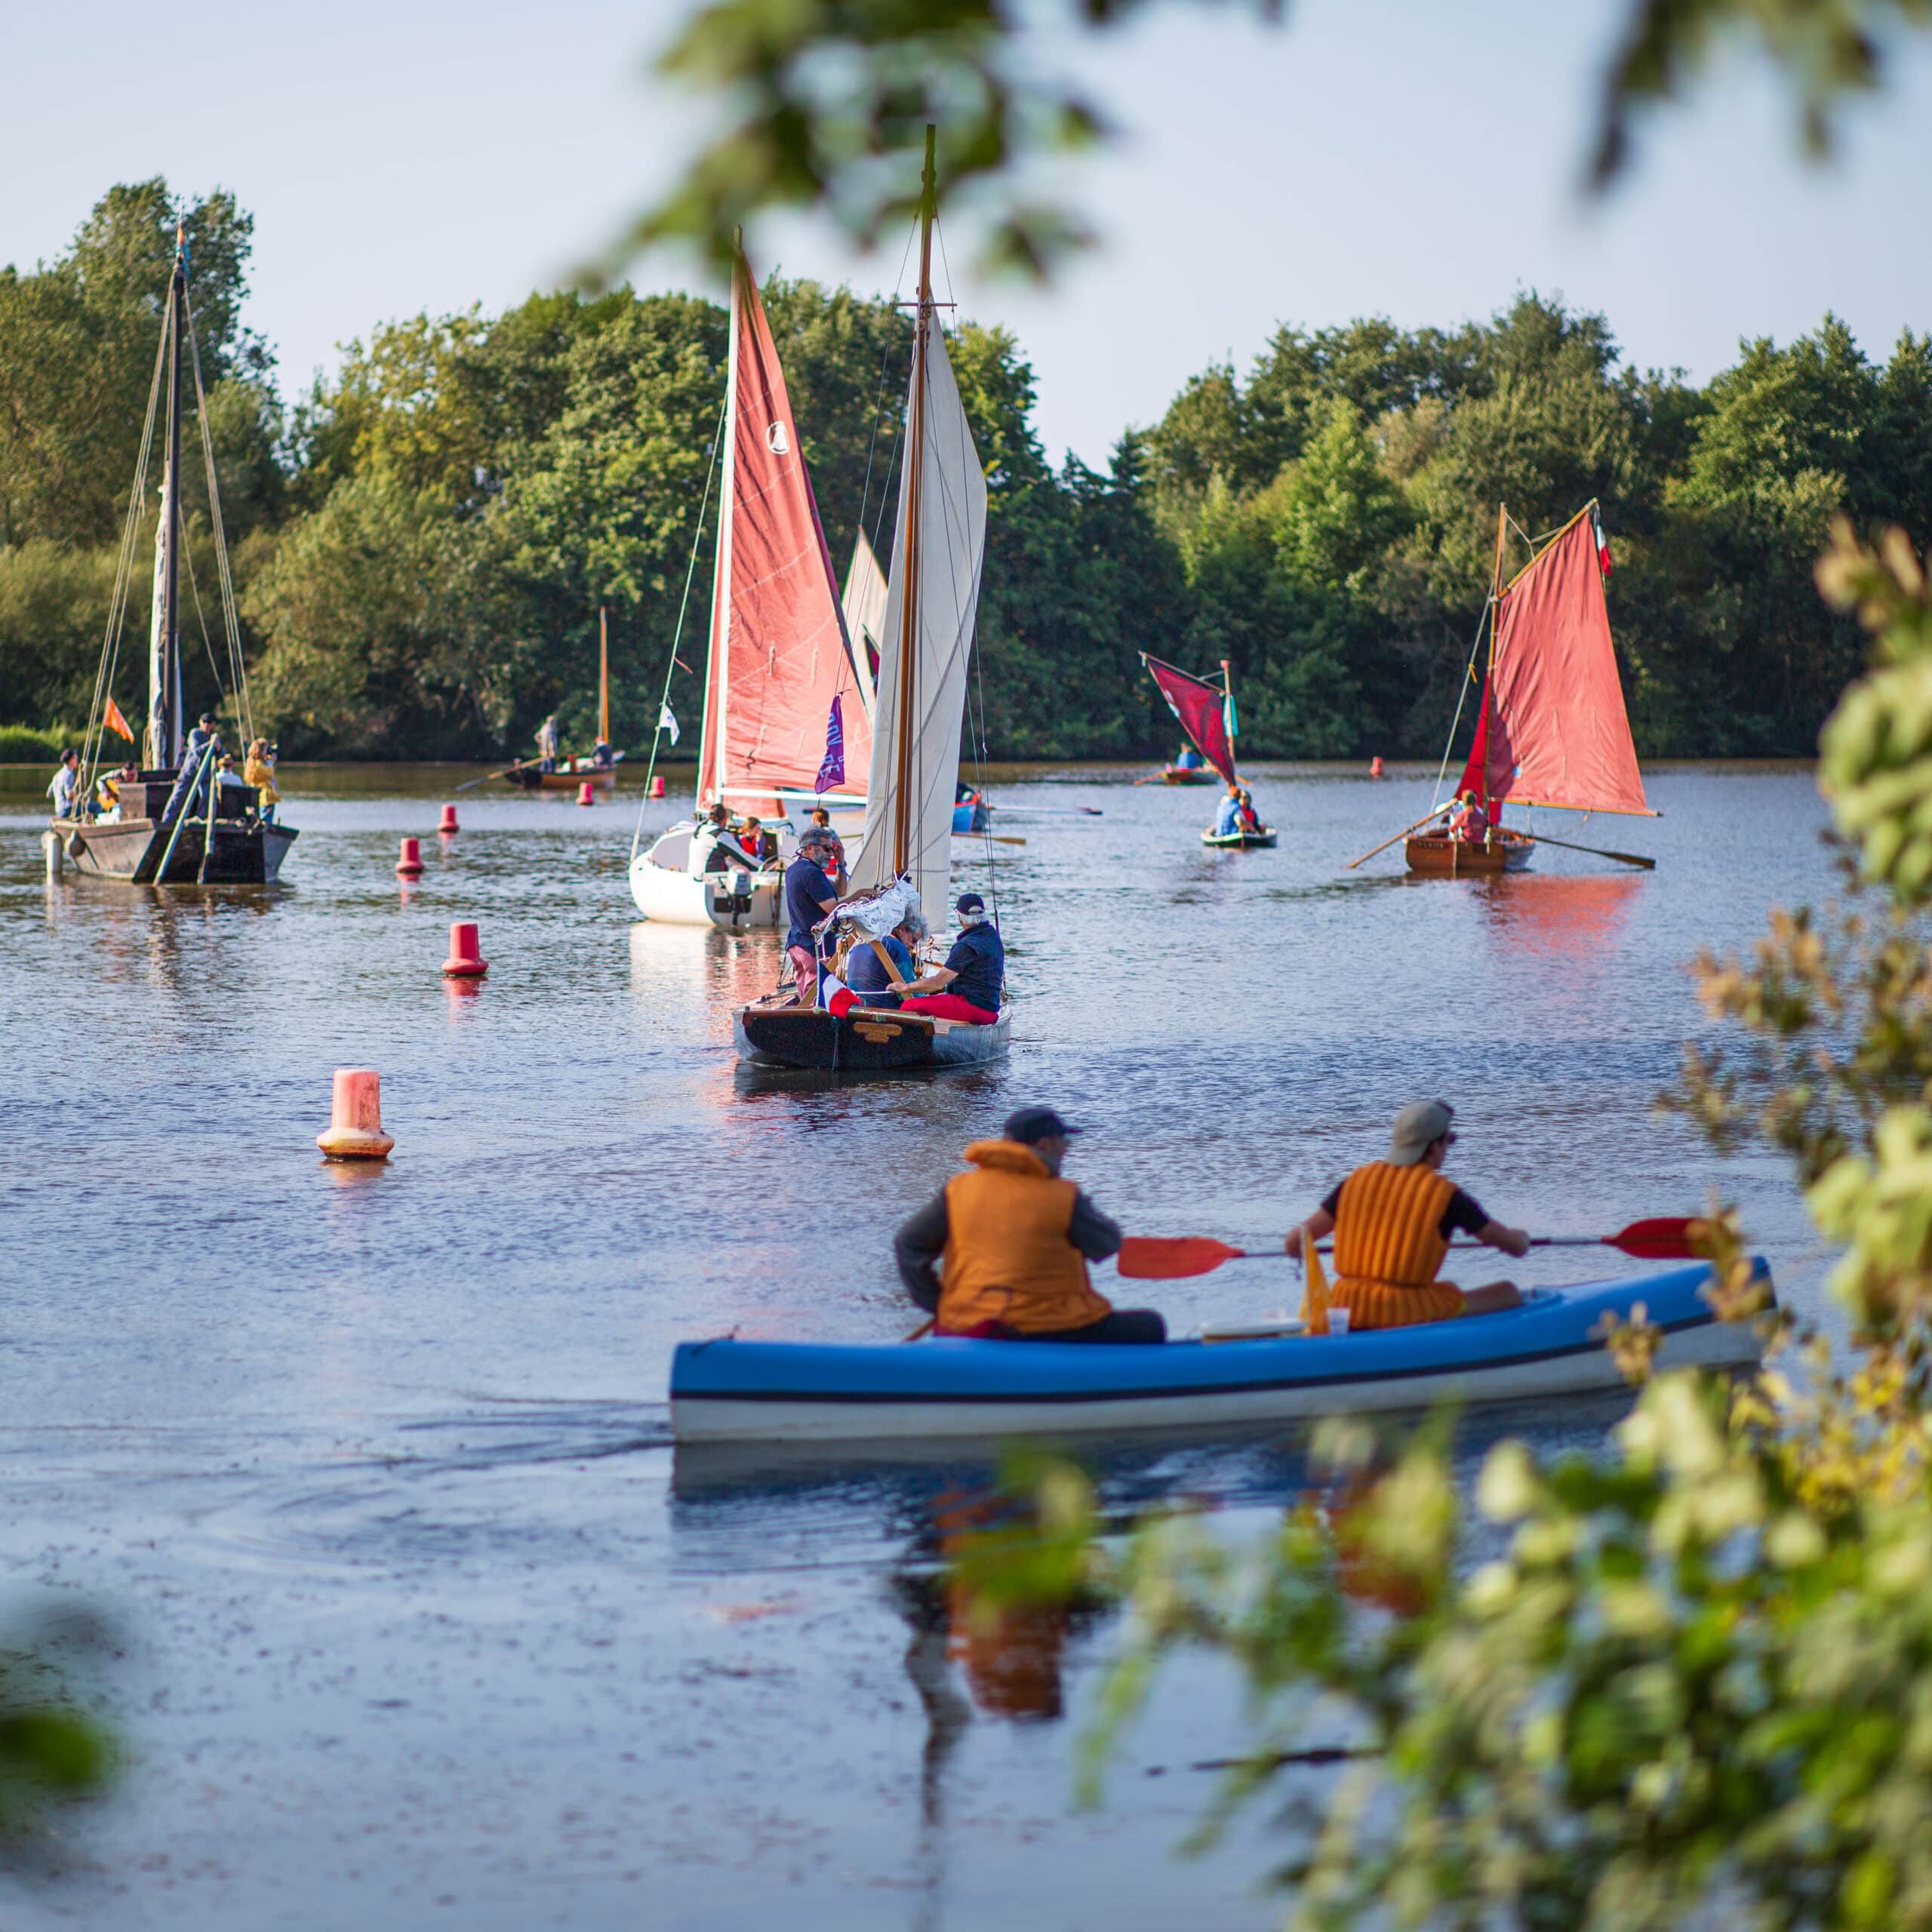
(1007, 1257)
(1388, 1243)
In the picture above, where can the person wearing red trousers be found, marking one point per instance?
(974, 975)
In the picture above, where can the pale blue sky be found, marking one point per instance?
(1368, 155)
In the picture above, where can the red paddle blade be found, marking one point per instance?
(1155, 1258)
(1663, 1238)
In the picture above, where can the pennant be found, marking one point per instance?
(666, 722)
(835, 995)
(112, 720)
(1603, 545)
(832, 770)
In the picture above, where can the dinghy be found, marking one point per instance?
(727, 1390)
(1241, 841)
(919, 707)
(787, 708)
(1551, 729)
(1206, 713)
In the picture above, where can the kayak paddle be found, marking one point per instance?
(1156, 1258)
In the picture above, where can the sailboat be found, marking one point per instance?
(1205, 711)
(932, 605)
(217, 835)
(600, 768)
(787, 715)
(1552, 730)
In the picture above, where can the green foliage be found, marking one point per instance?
(52, 1750)
(21, 744)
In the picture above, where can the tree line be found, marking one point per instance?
(422, 541)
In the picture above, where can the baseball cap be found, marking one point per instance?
(1032, 1124)
(1418, 1127)
(969, 902)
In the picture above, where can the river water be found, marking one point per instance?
(419, 1620)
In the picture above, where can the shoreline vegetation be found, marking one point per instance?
(422, 540)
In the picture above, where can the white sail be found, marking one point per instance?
(864, 604)
(154, 752)
(920, 730)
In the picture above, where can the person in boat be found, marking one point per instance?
(260, 772)
(225, 774)
(822, 821)
(1246, 819)
(64, 788)
(200, 739)
(1190, 760)
(1393, 1221)
(546, 744)
(601, 756)
(1228, 821)
(1469, 822)
(875, 982)
(809, 895)
(750, 838)
(1000, 1253)
(969, 986)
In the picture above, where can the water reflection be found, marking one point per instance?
(1563, 918)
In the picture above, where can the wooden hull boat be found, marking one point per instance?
(1190, 774)
(570, 773)
(1241, 841)
(866, 1040)
(244, 852)
(1435, 855)
(726, 1390)
(972, 813)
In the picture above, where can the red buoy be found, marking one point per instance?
(355, 1118)
(466, 960)
(585, 795)
(448, 825)
(657, 788)
(411, 864)
(1375, 767)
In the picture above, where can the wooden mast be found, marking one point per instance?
(162, 703)
(915, 464)
(1489, 670)
(603, 675)
(1227, 709)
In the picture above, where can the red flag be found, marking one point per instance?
(1603, 544)
(1202, 712)
(112, 720)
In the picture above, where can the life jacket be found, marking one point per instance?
(1007, 1257)
(1388, 1243)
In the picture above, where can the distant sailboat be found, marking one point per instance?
(1205, 712)
(1552, 730)
(600, 766)
(787, 715)
(932, 608)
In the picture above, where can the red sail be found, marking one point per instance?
(1557, 732)
(1202, 711)
(780, 656)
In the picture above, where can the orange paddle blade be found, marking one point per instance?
(1663, 1238)
(1154, 1258)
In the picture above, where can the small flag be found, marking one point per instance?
(112, 720)
(831, 772)
(666, 722)
(835, 995)
(1603, 546)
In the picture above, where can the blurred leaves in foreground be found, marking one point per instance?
(52, 1752)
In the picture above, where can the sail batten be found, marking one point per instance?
(782, 691)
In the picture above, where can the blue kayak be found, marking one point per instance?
(730, 1391)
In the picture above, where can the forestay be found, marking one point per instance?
(864, 603)
(921, 699)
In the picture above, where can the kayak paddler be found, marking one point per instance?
(1392, 1220)
(1011, 1241)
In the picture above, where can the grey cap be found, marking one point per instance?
(1418, 1127)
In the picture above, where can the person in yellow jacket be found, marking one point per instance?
(1393, 1221)
(1001, 1251)
(260, 772)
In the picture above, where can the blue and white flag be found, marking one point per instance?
(831, 772)
(666, 722)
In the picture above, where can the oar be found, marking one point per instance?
(1047, 811)
(1598, 851)
(1439, 812)
(1156, 1258)
(484, 780)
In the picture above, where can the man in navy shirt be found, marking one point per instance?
(809, 896)
(974, 975)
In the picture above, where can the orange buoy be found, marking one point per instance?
(1375, 767)
(411, 863)
(355, 1118)
(466, 960)
(585, 795)
(657, 788)
(448, 825)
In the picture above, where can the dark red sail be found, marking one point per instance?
(1202, 711)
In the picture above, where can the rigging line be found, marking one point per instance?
(677, 631)
(1462, 696)
(232, 621)
(878, 401)
(207, 643)
(96, 733)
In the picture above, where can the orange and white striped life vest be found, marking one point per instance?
(1388, 1243)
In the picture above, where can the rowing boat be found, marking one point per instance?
(1240, 841)
(726, 1390)
(1436, 855)
(863, 1039)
